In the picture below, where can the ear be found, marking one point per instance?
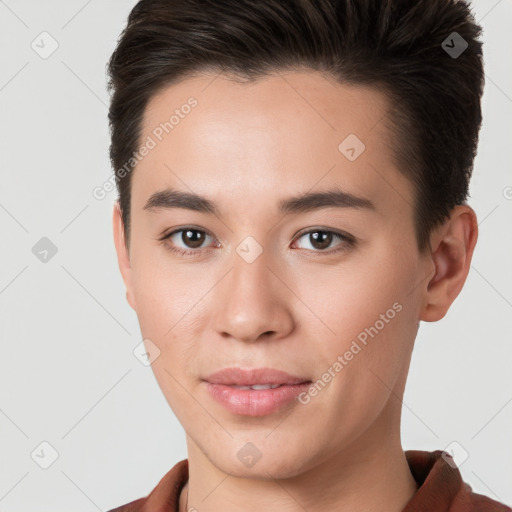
(451, 251)
(123, 256)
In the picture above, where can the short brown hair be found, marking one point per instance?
(403, 47)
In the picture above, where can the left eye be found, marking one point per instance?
(320, 240)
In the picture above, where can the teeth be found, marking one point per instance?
(257, 387)
(262, 386)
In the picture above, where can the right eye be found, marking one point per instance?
(186, 241)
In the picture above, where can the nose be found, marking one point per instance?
(252, 303)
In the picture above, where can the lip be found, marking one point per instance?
(248, 402)
(240, 377)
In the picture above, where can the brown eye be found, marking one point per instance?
(187, 241)
(321, 240)
(192, 238)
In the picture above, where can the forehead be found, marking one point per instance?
(291, 130)
(287, 104)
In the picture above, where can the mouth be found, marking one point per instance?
(256, 392)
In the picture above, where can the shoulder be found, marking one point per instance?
(165, 494)
(440, 486)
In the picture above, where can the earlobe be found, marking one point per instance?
(123, 257)
(451, 254)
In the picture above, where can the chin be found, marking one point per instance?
(269, 466)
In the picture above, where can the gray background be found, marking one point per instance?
(67, 372)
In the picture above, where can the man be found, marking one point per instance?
(292, 180)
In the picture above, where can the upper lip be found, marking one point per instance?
(240, 377)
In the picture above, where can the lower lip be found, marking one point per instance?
(249, 402)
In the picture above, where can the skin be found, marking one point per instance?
(295, 307)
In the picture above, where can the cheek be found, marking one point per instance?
(165, 296)
(164, 293)
(349, 299)
(171, 306)
(371, 323)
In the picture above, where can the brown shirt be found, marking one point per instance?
(441, 489)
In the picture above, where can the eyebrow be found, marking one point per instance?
(334, 198)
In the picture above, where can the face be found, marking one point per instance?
(324, 289)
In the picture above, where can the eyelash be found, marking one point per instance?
(347, 241)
